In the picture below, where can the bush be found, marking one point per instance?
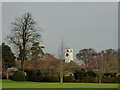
(4, 76)
(81, 75)
(33, 78)
(36, 76)
(110, 79)
(110, 74)
(10, 77)
(90, 79)
(50, 78)
(91, 73)
(76, 75)
(118, 75)
(107, 74)
(33, 75)
(68, 79)
(18, 76)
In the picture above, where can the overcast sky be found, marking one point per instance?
(0, 22)
(79, 25)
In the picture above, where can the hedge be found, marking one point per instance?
(18, 76)
(90, 79)
(68, 79)
(110, 79)
(91, 73)
(49, 78)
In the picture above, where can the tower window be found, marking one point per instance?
(67, 50)
(67, 54)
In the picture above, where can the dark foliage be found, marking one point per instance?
(18, 76)
(24, 32)
(50, 78)
(36, 76)
(91, 73)
(76, 75)
(110, 74)
(79, 75)
(110, 79)
(68, 79)
(33, 75)
(4, 76)
(8, 58)
(90, 79)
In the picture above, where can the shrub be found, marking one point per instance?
(4, 76)
(10, 77)
(18, 76)
(118, 75)
(110, 74)
(76, 75)
(90, 79)
(36, 76)
(33, 75)
(91, 73)
(81, 75)
(30, 75)
(68, 79)
(107, 74)
(110, 79)
(49, 78)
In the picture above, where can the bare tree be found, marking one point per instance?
(105, 61)
(24, 33)
(61, 58)
(100, 64)
(112, 60)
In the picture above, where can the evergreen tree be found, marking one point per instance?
(8, 58)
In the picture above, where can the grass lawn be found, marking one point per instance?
(26, 84)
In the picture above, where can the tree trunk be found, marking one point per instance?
(61, 71)
(7, 76)
(100, 79)
(61, 79)
(22, 65)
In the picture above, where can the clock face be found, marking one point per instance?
(67, 54)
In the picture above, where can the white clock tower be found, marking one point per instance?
(68, 55)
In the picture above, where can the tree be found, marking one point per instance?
(37, 52)
(85, 55)
(24, 33)
(112, 60)
(104, 61)
(61, 58)
(8, 58)
(100, 60)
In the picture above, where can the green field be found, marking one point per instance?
(26, 84)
